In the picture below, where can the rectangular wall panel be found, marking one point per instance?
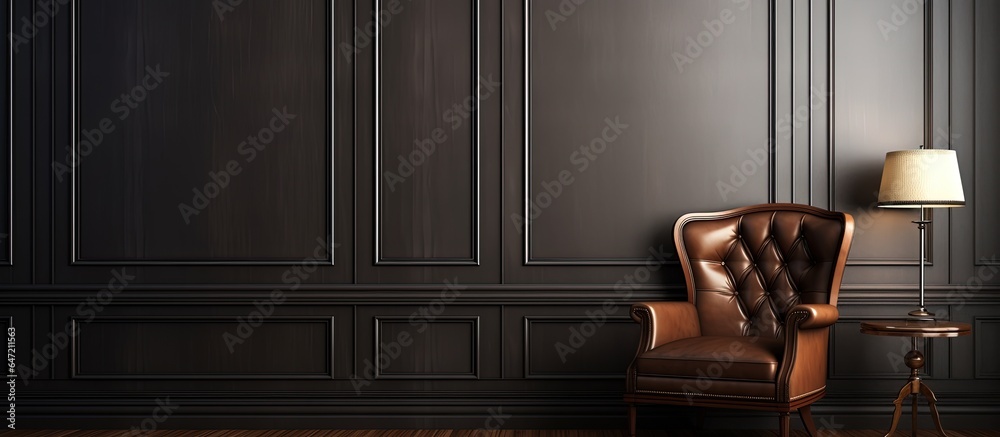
(630, 122)
(987, 132)
(878, 100)
(427, 133)
(577, 347)
(202, 347)
(200, 141)
(7, 152)
(985, 330)
(445, 347)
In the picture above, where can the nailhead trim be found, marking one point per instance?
(762, 398)
(809, 393)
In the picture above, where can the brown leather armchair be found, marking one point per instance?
(762, 285)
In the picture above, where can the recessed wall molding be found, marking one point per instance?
(76, 166)
(8, 236)
(135, 335)
(530, 259)
(476, 94)
(571, 348)
(391, 350)
(985, 364)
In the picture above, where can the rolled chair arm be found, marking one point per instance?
(663, 322)
(803, 368)
(811, 316)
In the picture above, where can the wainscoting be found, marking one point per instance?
(424, 214)
(458, 433)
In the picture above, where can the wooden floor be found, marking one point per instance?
(475, 433)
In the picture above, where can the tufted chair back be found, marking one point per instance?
(745, 268)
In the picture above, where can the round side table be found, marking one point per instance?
(915, 360)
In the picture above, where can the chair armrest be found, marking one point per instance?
(811, 316)
(663, 322)
(802, 372)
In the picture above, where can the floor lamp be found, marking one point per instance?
(922, 178)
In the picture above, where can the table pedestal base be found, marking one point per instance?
(915, 387)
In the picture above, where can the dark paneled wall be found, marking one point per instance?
(396, 213)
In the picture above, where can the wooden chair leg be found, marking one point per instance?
(631, 420)
(783, 424)
(807, 420)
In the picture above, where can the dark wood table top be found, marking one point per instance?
(915, 328)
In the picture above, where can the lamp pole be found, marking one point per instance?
(922, 313)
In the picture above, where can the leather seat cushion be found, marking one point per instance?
(691, 389)
(712, 357)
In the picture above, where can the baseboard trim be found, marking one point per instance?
(529, 411)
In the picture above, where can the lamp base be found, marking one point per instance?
(921, 314)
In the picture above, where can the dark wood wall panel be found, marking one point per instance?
(578, 347)
(427, 83)
(427, 133)
(7, 152)
(987, 133)
(432, 341)
(877, 109)
(987, 330)
(612, 152)
(557, 342)
(203, 347)
(442, 348)
(975, 356)
(222, 153)
(18, 162)
(489, 316)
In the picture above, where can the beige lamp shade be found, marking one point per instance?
(923, 178)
